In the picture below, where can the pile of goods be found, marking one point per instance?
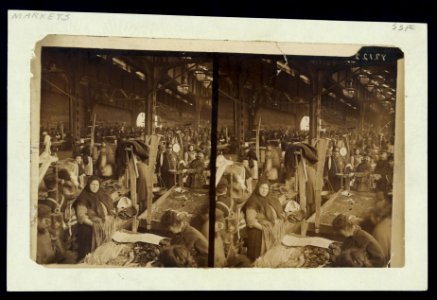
(315, 257)
(360, 205)
(145, 253)
(181, 199)
(126, 254)
(282, 256)
(111, 253)
(111, 185)
(114, 188)
(296, 216)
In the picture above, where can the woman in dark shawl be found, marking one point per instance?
(265, 219)
(95, 211)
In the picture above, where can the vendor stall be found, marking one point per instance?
(358, 204)
(193, 201)
(127, 249)
(297, 252)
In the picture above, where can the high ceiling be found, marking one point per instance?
(274, 81)
(290, 80)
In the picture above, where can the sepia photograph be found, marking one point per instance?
(190, 160)
(304, 170)
(306, 159)
(124, 158)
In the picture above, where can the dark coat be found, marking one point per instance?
(309, 152)
(138, 147)
(92, 201)
(365, 241)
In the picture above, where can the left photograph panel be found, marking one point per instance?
(122, 173)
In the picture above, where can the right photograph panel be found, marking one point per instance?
(305, 160)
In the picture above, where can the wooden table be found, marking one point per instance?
(184, 199)
(359, 204)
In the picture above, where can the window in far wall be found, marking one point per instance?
(305, 123)
(141, 120)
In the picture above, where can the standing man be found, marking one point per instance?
(332, 169)
(197, 179)
(273, 163)
(168, 164)
(47, 142)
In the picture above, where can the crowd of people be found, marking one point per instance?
(355, 160)
(76, 214)
(252, 213)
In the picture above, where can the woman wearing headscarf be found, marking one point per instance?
(95, 211)
(265, 219)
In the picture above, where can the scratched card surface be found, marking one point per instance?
(258, 94)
